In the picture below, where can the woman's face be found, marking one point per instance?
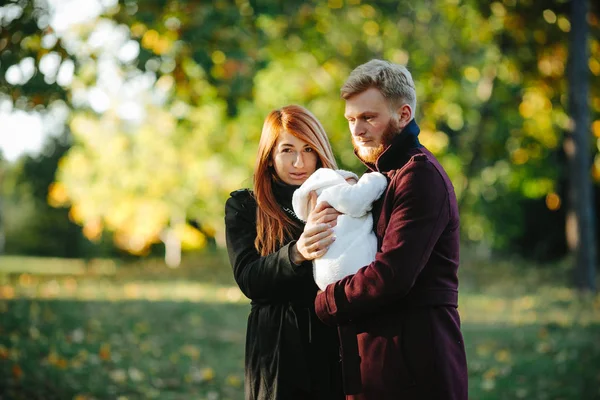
(293, 159)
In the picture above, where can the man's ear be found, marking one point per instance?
(405, 115)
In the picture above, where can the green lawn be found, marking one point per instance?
(71, 330)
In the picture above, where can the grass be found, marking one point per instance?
(98, 330)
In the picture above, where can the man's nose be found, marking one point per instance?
(357, 129)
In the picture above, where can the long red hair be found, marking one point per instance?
(273, 225)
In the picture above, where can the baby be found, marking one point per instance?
(356, 244)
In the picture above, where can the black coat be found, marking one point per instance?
(290, 353)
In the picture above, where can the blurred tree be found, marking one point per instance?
(169, 98)
(34, 65)
(523, 182)
(3, 168)
(37, 228)
(581, 215)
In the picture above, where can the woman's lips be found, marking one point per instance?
(300, 175)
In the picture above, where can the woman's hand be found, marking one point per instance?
(318, 233)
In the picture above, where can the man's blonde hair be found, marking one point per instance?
(394, 81)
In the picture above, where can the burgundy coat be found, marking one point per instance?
(398, 320)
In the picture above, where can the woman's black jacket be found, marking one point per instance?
(290, 354)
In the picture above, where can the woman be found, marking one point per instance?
(290, 354)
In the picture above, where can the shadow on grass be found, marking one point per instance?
(62, 349)
(536, 361)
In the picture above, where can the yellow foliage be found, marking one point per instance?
(162, 46)
(81, 124)
(218, 57)
(93, 229)
(208, 374)
(335, 3)
(503, 356)
(564, 24)
(138, 29)
(150, 38)
(191, 238)
(165, 83)
(371, 28)
(596, 128)
(520, 156)
(472, 74)
(498, 9)
(596, 168)
(553, 201)
(120, 213)
(75, 214)
(594, 66)
(57, 195)
(234, 380)
(549, 16)
(437, 142)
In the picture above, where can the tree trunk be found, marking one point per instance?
(3, 169)
(172, 248)
(2, 237)
(580, 216)
(172, 241)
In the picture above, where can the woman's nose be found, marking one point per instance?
(299, 161)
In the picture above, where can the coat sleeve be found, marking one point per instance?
(355, 200)
(267, 278)
(421, 213)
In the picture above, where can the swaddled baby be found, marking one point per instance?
(356, 244)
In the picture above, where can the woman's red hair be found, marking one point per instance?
(273, 225)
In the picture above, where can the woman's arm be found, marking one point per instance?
(269, 277)
(273, 276)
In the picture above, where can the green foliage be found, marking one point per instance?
(26, 38)
(35, 227)
(490, 81)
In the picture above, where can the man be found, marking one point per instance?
(398, 320)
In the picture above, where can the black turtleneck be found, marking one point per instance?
(283, 194)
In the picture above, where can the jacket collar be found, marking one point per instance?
(283, 192)
(393, 156)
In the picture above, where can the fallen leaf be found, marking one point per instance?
(17, 371)
(104, 352)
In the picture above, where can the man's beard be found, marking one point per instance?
(371, 154)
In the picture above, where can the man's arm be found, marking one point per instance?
(420, 215)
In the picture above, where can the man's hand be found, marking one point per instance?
(317, 235)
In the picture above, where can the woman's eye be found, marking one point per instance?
(309, 149)
(286, 150)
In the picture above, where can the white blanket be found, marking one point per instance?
(356, 244)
